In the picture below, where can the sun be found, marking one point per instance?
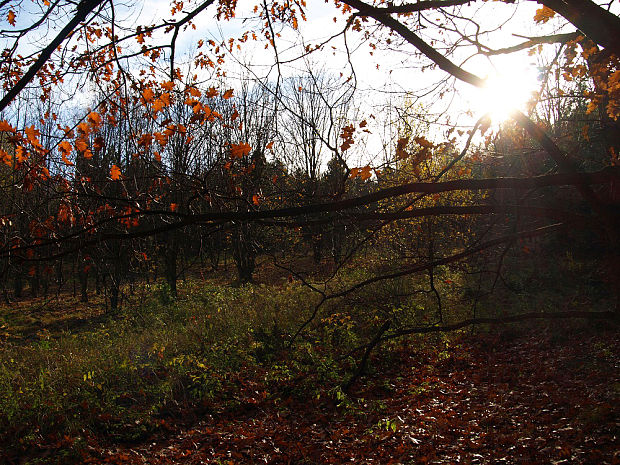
(506, 92)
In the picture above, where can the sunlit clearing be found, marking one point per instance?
(503, 94)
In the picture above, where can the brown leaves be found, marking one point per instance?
(363, 173)
(347, 137)
(10, 17)
(401, 145)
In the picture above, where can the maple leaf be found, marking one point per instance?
(94, 119)
(157, 157)
(228, 94)
(211, 92)
(65, 149)
(11, 18)
(6, 127)
(165, 98)
(240, 150)
(145, 140)
(5, 157)
(83, 128)
(194, 92)
(269, 146)
(99, 143)
(148, 94)
(401, 145)
(21, 155)
(543, 15)
(158, 105)
(160, 138)
(174, 207)
(365, 173)
(167, 85)
(81, 145)
(255, 200)
(115, 173)
(33, 135)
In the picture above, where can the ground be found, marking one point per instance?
(504, 398)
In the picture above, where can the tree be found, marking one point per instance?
(225, 185)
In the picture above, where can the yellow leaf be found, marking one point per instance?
(544, 14)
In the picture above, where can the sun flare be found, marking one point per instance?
(504, 93)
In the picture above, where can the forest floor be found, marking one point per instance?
(527, 399)
(532, 393)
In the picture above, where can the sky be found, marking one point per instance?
(390, 75)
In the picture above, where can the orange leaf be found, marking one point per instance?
(11, 18)
(239, 150)
(6, 127)
(365, 173)
(174, 207)
(65, 149)
(544, 14)
(83, 128)
(158, 105)
(147, 94)
(81, 145)
(168, 85)
(269, 145)
(165, 97)
(33, 135)
(211, 92)
(115, 173)
(228, 94)
(194, 92)
(94, 119)
(255, 200)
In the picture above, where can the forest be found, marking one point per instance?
(309, 232)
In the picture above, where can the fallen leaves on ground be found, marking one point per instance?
(533, 400)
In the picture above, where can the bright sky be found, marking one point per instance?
(385, 75)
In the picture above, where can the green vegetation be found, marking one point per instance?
(218, 348)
